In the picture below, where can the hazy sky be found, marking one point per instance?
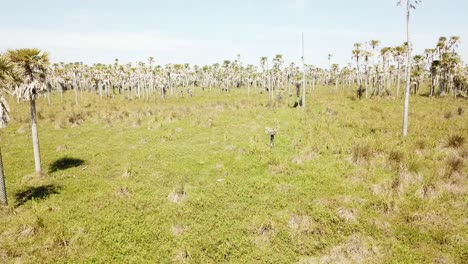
(204, 32)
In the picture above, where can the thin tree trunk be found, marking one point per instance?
(75, 87)
(3, 193)
(408, 70)
(303, 75)
(398, 81)
(35, 137)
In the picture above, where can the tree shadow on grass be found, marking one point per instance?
(65, 163)
(35, 193)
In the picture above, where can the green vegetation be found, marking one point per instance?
(195, 179)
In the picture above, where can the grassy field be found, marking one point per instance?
(194, 180)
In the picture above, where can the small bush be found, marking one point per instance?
(460, 110)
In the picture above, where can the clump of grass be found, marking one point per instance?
(76, 119)
(395, 157)
(128, 172)
(414, 165)
(348, 215)
(300, 224)
(183, 256)
(61, 148)
(124, 192)
(32, 228)
(420, 144)
(454, 165)
(448, 115)
(361, 153)
(330, 112)
(428, 190)
(137, 123)
(455, 141)
(356, 249)
(178, 195)
(460, 110)
(263, 234)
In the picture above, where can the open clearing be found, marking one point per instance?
(194, 179)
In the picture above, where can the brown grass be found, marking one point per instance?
(455, 141)
(361, 153)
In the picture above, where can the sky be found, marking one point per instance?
(209, 31)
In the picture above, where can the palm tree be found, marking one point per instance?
(303, 75)
(8, 75)
(34, 64)
(357, 54)
(398, 53)
(410, 4)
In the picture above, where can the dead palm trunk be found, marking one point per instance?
(35, 137)
(408, 70)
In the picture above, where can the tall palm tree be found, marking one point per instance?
(34, 64)
(398, 53)
(410, 4)
(357, 54)
(8, 75)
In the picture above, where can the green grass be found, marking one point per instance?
(194, 180)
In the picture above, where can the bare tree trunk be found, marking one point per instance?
(408, 70)
(398, 81)
(35, 137)
(3, 193)
(303, 75)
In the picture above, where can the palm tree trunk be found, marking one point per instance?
(398, 81)
(303, 75)
(408, 70)
(3, 194)
(75, 88)
(35, 137)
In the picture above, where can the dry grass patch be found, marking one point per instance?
(178, 195)
(124, 192)
(455, 141)
(300, 224)
(356, 249)
(361, 153)
(263, 234)
(178, 230)
(347, 214)
(182, 257)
